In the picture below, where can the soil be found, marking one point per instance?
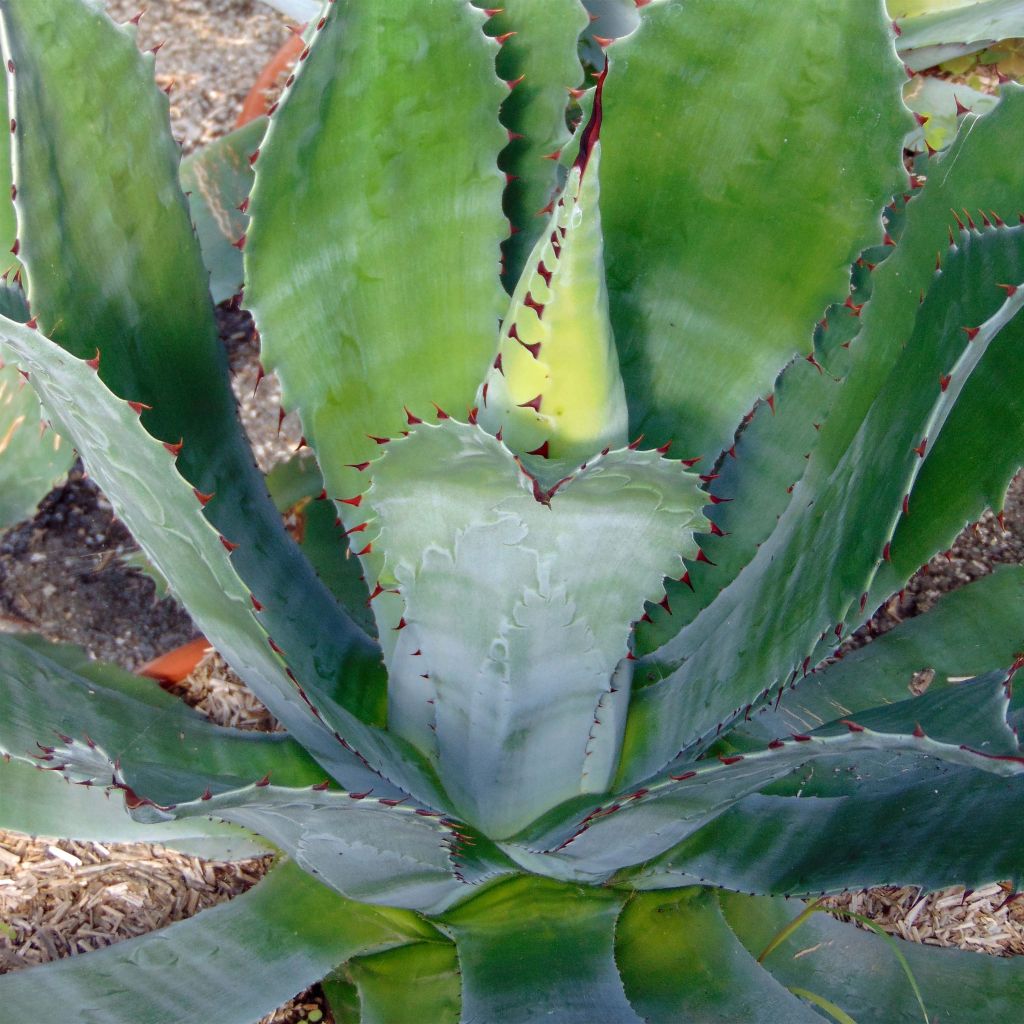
(65, 574)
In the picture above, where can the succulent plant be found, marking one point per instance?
(567, 704)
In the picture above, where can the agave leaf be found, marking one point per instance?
(560, 941)
(125, 281)
(163, 747)
(933, 829)
(217, 180)
(932, 36)
(415, 982)
(637, 826)
(372, 850)
(941, 102)
(538, 52)
(858, 971)
(715, 243)
(158, 506)
(40, 803)
(33, 457)
(354, 319)
(517, 679)
(970, 631)
(555, 391)
(844, 510)
(244, 958)
(297, 489)
(981, 450)
(680, 961)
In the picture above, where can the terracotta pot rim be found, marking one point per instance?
(176, 665)
(256, 104)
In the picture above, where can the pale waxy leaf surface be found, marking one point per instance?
(386, 853)
(724, 240)
(372, 257)
(239, 960)
(637, 826)
(522, 705)
(138, 475)
(113, 271)
(859, 972)
(934, 34)
(41, 803)
(532, 950)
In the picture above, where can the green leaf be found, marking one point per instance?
(139, 477)
(367, 849)
(113, 267)
(164, 749)
(237, 961)
(297, 489)
(844, 509)
(40, 803)
(555, 391)
(973, 459)
(538, 54)
(973, 630)
(858, 972)
(723, 240)
(33, 458)
(519, 675)
(680, 961)
(937, 828)
(533, 950)
(357, 179)
(634, 827)
(217, 180)
(415, 982)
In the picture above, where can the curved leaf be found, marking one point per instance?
(164, 749)
(114, 269)
(947, 827)
(40, 803)
(680, 961)
(858, 971)
(976, 629)
(724, 242)
(964, 726)
(138, 475)
(358, 179)
(522, 704)
(244, 958)
(538, 53)
(216, 180)
(560, 941)
(372, 850)
(843, 510)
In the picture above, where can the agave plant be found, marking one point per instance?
(567, 725)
